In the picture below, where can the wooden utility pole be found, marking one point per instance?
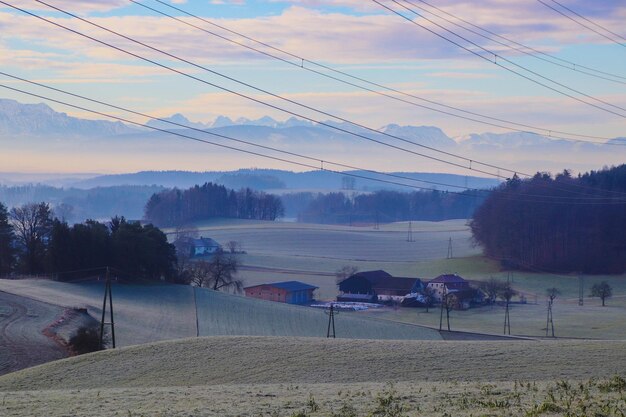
(107, 294)
(507, 319)
(444, 303)
(331, 321)
(195, 304)
(581, 290)
(550, 323)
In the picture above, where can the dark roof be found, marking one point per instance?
(204, 242)
(449, 279)
(395, 283)
(289, 286)
(372, 276)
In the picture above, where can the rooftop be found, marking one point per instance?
(289, 285)
(449, 279)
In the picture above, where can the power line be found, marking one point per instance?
(184, 126)
(501, 58)
(520, 47)
(496, 56)
(582, 24)
(253, 99)
(554, 199)
(300, 62)
(470, 162)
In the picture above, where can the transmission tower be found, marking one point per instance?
(449, 255)
(331, 321)
(409, 236)
(107, 294)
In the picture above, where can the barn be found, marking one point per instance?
(290, 292)
(379, 284)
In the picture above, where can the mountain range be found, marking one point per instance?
(41, 127)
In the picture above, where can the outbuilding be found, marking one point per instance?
(290, 292)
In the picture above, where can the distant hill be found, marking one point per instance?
(268, 179)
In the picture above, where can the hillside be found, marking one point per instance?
(312, 377)
(149, 313)
(259, 360)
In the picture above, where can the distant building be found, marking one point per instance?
(290, 292)
(446, 284)
(199, 247)
(373, 285)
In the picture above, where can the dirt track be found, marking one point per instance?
(22, 342)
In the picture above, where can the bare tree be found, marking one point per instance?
(64, 212)
(493, 287)
(183, 242)
(345, 272)
(233, 246)
(217, 274)
(602, 290)
(429, 297)
(32, 224)
(552, 293)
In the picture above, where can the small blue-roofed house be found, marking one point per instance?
(290, 292)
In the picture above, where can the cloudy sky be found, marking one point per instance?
(358, 37)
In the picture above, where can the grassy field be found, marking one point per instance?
(148, 313)
(260, 376)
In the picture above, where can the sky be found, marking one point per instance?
(358, 37)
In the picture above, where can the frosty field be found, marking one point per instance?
(148, 313)
(252, 376)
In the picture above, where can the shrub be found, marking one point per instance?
(86, 340)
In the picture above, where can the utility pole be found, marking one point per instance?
(449, 255)
(376, 224)
(195, 304)
(507, 320)
(107, 293)
(409, 236)
(444, 303)
(581, 290)
(331, 321)
(550, 323)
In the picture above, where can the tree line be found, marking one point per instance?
(558, 224)
(33, 241)
(176, 207)
(389, 206)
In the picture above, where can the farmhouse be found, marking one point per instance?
(290, 292)
(460, 295)
(447, 284)
(201, 246)
(372, 285)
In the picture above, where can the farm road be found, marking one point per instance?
(22, 343)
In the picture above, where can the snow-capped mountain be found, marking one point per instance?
(39, 119)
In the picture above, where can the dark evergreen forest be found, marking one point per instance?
(34, 242)
(557, 224)
(176, 207)
(391, 206)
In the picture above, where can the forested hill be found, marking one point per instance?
(560, 224)
(387, 206)
(176, 207)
